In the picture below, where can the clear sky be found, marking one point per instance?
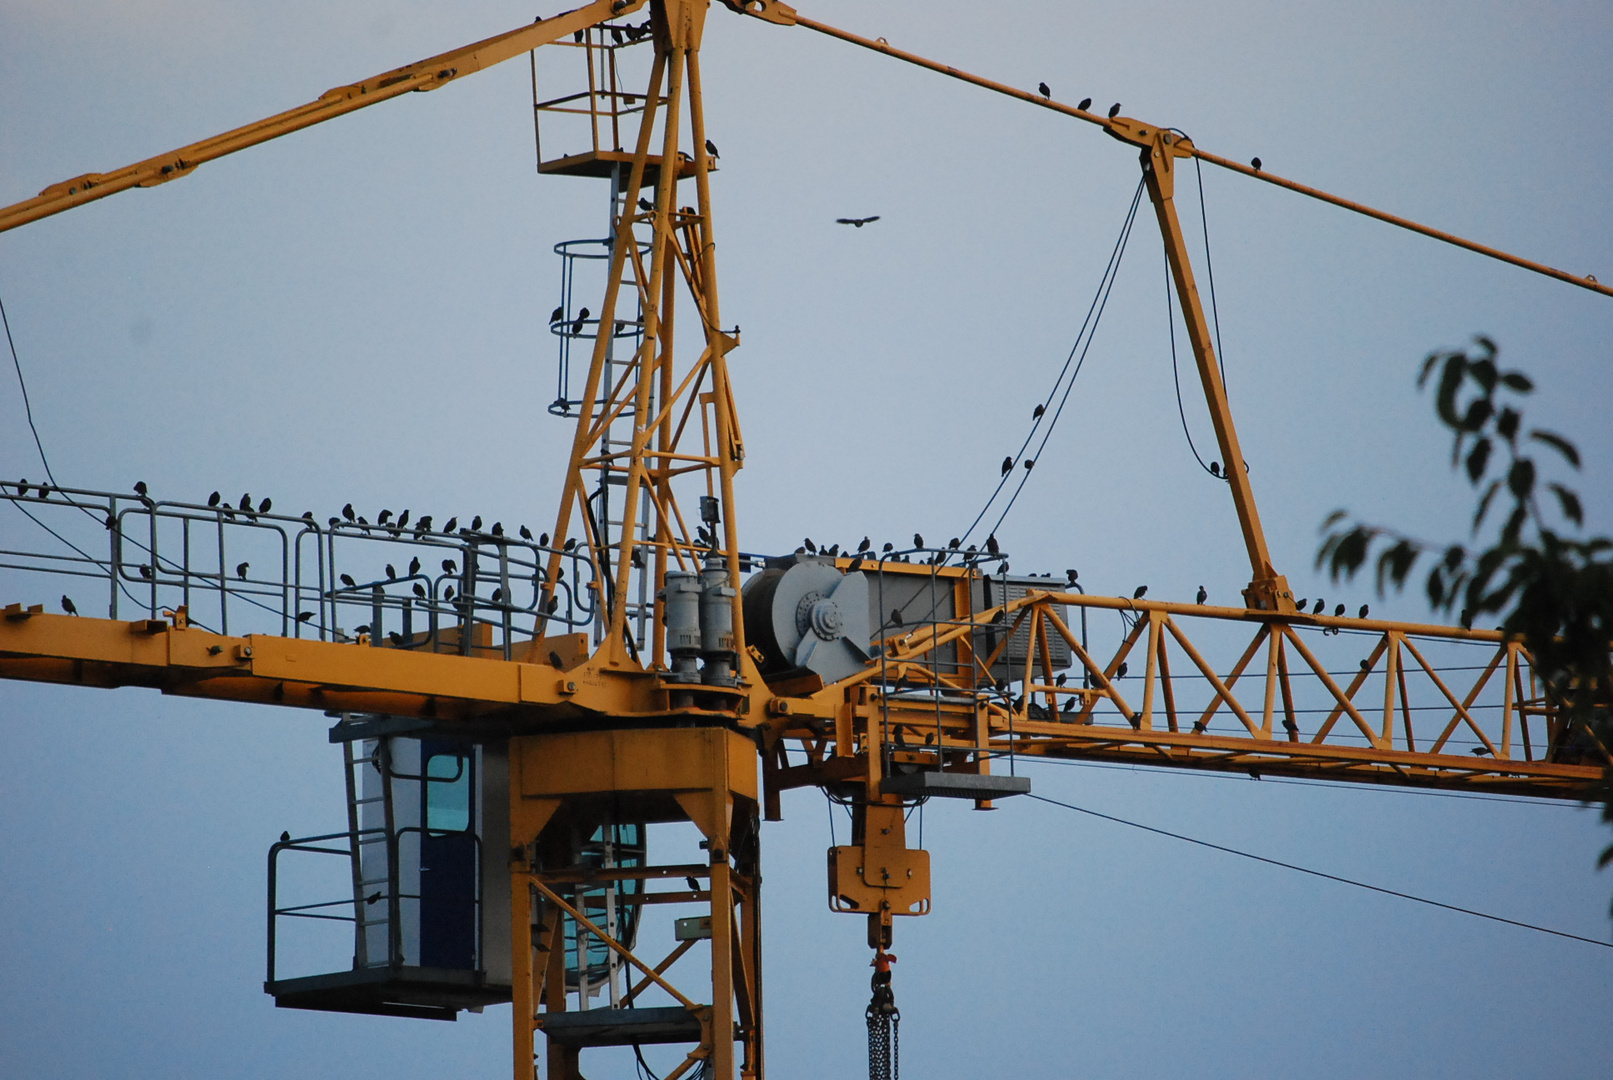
(356, 313)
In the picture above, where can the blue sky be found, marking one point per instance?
(356, 313)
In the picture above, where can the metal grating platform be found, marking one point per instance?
(622, 1027)
(418, 992)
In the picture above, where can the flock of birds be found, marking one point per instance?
(1114, 111)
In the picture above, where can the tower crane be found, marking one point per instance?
(542, 703)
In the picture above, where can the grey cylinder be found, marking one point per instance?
(717, 623)
(680, 607)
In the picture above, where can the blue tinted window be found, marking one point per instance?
(447, 793)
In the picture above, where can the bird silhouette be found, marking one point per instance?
(1255, 164)
(395, 638)
(476, 523)
(448, 566)
(1320, 604)
(647, 206)
(67, 605)
(888, 548)
(1069, 706)
(1070, 577)
(1036, 413)
(711, 148)
(992, 546)
(1203, 594)
(264, 506)
(918, 540)
(543, 539)
(865, 545)
(526, 533)
(1041, 88)
(1215, 468)
(1114, 110)
(391, 572)
(1086, 103)
(569, 545)
(448, 593)
(453, 523)
(212, 500)
(1061, 680)
(347, 579)
(1300, 606)
(145, 571)
(420, 590)
(1362, 613)
(1008, 465)
(809, 545)
(304, 616)
(1338, 611)
(694, 885)
(1030, 463)
(552, 606)
(246, 502)
(557, 314)
(856, 564)
(414, 566)
(579, 322)
(240, 570)
(347, 512)
(403, 519)
(308, 516)
(856, 222)
(383, 517)
(140, 488)
(1140, 592)
(1120, 672)
(498, 528)
(498, 596)
(896, 617)
(953, 543)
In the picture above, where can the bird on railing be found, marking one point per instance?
(414, 566)
(67, 605)
(240, 570)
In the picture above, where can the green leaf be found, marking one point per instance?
(1435, 587)
(1506, 425)
(1484, 504)
(1570, 504)
(1478, 459)
(1521, 479)
(1559, 444)
(1514, 526)
(1334, 518)
(1396, 562)
(1430, 362)
(1454, 556)
(1450, 381)
(1484, 373)
(1478, 411)
(1517, 380)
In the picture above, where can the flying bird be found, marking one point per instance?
(67, 605)
(1203, 594)
(856, 222)
(1114, 110)
(1086, 103)
(1041, 88)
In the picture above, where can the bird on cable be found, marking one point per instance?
(616, 34)
(1114, 110)
(1120, 672)
(246, 502)
(304, 616)
(228, 511)
(856, 222)
(383, 517)
(918, 540)
(1061, 680)
(579, 322)
(476, 523)
(1203, 594)
(556, 315)
(240, 570)
(67, 605)
(265, 505)
(347, 579)
(363, 523)
(420, 590)
(1030, 463)
(1086, 103)
(711, 148)
(1140, 592)
(285, 838)
(1255, 164)
(1036, 413)
(1042, 88)
(333, 522)
(448, 566)
(1362, 613)
(391, 572)
(1215, 469)
(1008, 465)
(140, 488)
(403, 520)
(865, 545)
(526, 533)
(453, 523)
(347, 512)
(896, 617)
(212, 500)
(448, 593)
(1320, 604)
(1338, 611)
(1069, 705)
(414, 566)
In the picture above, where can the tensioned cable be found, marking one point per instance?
(1209, 268)
(27, 406)
(1176, 376)
(1089, 327)
(1320, 874)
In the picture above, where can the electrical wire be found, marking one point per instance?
(27, 406)
(1176, 376)
(1320, 874)
(1077, 355)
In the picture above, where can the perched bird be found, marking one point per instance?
(1255, 164)
(552, 606)
(1061, 680)
(140, 488)
(1203, 594)
(918, 540)
(694, 885)
(67, 605)
(1070, 577)
(1114, 110)
(1036, 413)
(1030, 463)
(1362, 613)
(498, 596)
(453, 523)
(558, 313)
(896, 617)
(833, 551)
(579, 322)
(498, 528)
(809, 545)
(1480, 751)
(1140, 592)
(1008, 465)
(1120, 672)
(145, 571)
(246, 502)
(856, 222)
(304, 616)
(476, 523)
(308, 516)
(391, 572)
(362, 629)
(1041, 88)
(403, 519)
(263, 507)
(347, 512)
(992, 546)
(1338, 611)
(423, 525)
(347, 579)
(1086, 103)
(888, 548)
(448, 566)
(543, 539)
(414, 566)
(448, 593)
(1215, 468)
(1365, 666)
(383, 517)
(1300, 606)
(526, 533)
(711, 148)
(953, 543)
(856, 564)
(1069, 706)
(240, 570)
(212, 500)
(865, 545)
(1320, 604)
(647, 206)
(420, 590)
(395, 638)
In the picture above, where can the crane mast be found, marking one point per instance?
(745, 688)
